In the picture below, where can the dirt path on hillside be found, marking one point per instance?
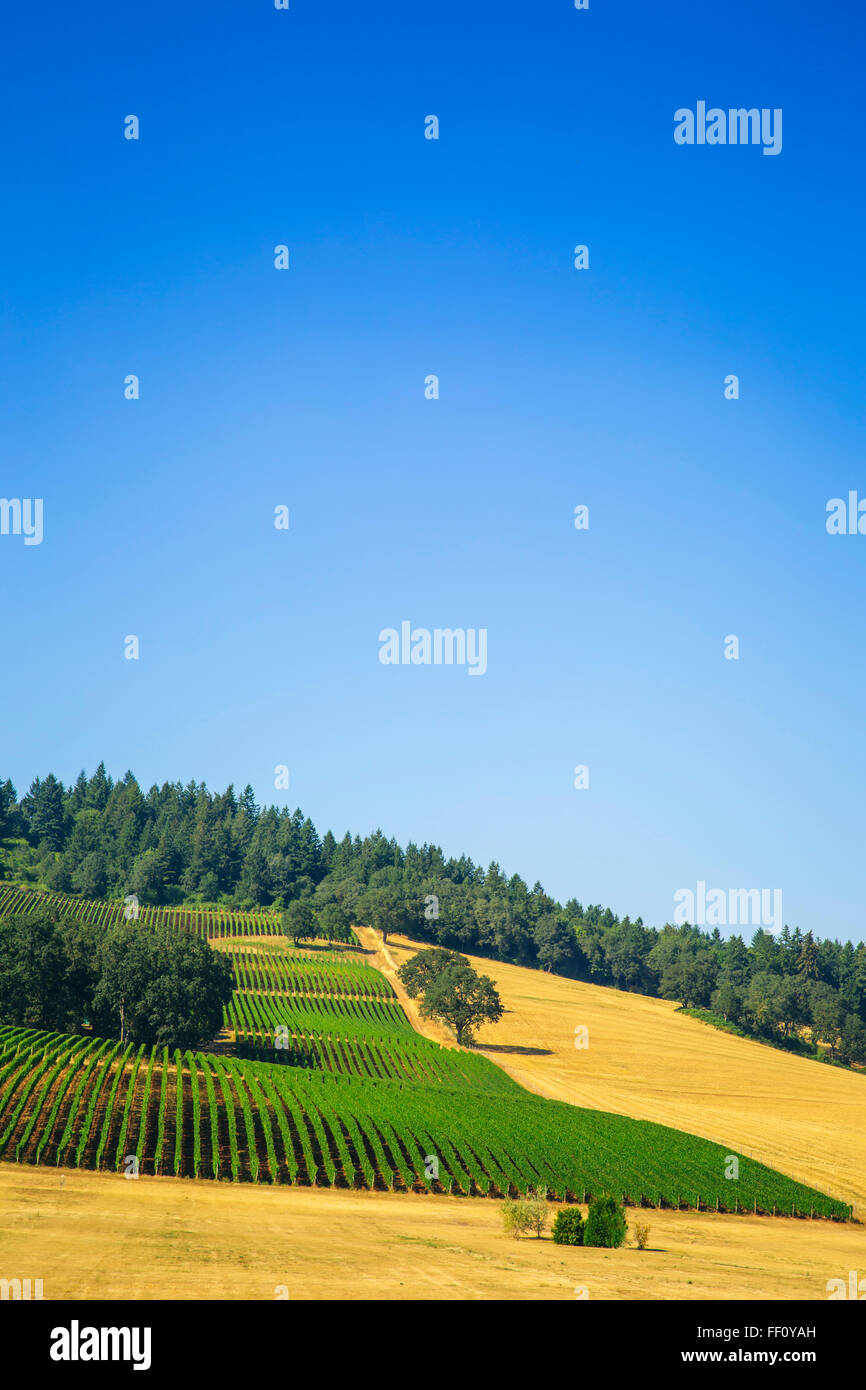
(383, 958)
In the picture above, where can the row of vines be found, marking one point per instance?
(208, 923)
(86, 1102)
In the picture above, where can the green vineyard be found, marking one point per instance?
(86, 1102)
(209, 924)
(320, 1079)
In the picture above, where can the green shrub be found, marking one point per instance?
(568, 1226)
(605, 1224)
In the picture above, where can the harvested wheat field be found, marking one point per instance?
(102, 1236)
(647, 1060)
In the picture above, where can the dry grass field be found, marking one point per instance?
(102, 1236)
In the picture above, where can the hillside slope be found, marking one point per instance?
(647, 1060)
(365, 1100)
(187, 1239)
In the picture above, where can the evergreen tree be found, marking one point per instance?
(807, 964)
(9, 815)
(45, 813)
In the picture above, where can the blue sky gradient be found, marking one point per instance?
(605, 387)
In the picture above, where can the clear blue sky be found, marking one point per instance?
(558, 387)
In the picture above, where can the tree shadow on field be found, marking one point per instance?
(511, 1047)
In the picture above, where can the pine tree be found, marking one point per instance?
(8, 810)
(45, 813)
(807, 964)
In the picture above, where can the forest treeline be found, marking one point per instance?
(102, 838)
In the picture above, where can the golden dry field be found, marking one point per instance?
(102, 1236)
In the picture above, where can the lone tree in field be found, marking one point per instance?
(459, 996)
(420, 972)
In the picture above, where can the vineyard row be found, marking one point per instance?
(88, 1102)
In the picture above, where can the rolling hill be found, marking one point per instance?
(649, 1073)
(335, 1088)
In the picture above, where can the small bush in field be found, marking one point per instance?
(535, 1202)
(605, 1224)
(568, 1226)
(527, 1213)
(641, 1234)
(515, 1216)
